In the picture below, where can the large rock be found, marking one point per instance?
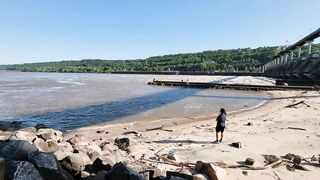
(41, 145)
(48, 166)
(2, 168)
(97, 166)
(50, 134)
(16, 150)
(21, 170)
(32, 130)
(24, 135)
(121, 172)
(78, 161)
(213, 172)
(77, 139)
(101, 175)
(91, 149)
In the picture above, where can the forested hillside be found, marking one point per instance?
(245, 59)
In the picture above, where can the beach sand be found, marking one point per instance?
(191, 139)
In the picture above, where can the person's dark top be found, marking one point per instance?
(221, 120)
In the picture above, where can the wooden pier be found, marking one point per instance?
(233, 86)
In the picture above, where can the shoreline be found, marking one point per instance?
(268, 133)
(167, 123)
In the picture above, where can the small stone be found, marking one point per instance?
(99, 132)
(236, 145)
(122, 143)
(297, 160)
(245, 173)
(249, 161)
(249, 124)
(173, 156)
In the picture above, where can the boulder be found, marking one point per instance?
(61, 154)
(50, 134)
(5, 135)
(121, 172)
(2, 168)
(21, 170)
(16, 150)
(41, 145)
(101, 175)
(213, 172)
(32, 130)
(24, 135)
(199, 177)
(77, 139)
(53, 146)
(249, 161)
(98, 165)
(65, 146)
(78, 161)
(48, 166)
(122, 143)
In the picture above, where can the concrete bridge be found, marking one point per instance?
(289, 65)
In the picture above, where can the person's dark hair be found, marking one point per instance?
(222, 110)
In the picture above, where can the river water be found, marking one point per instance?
(67, 101)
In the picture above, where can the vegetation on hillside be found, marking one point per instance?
(245, 59)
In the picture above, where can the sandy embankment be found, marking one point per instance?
(268, 134)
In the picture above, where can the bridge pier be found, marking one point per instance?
(299, 52)
(309, 47)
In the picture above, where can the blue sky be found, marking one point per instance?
(51, 30)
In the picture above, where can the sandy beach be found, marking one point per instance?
(271, 132)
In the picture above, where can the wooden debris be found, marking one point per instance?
(295, 128)
(159, 128)
(295, 104)
(277, 176)
(130, 132)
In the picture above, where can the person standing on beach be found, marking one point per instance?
(221, 124)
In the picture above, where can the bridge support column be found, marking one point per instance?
(285, 57)
(291, 55)
(299, 52)
(309, 47)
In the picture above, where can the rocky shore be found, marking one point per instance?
(279, 140)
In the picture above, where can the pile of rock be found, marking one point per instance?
(31, 153)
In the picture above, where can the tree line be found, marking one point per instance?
(244, 59)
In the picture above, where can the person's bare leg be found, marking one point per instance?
(221, 136)
(217, 136)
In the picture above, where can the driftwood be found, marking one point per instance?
(295, 104)
(295, 128)
(130, 132)
(159, 128)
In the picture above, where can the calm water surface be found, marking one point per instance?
(67, 101)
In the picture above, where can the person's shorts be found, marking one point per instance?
(219, 129)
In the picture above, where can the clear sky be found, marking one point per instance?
(52, 30)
